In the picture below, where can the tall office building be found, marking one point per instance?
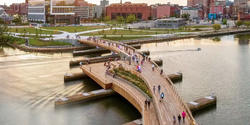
(36, 10)
(60, 11)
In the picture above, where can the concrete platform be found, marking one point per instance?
(84, 97)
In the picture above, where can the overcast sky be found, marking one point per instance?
(181, 2)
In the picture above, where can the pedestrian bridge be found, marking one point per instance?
(159, 113)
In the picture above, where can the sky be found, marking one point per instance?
(180, 2)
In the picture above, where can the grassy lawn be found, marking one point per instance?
(32, 31)
(119, 32)
(199, 26)
(37, 42)
(166, 31)
(73, 29)
(34, 36)
(137, 81)
(18, 41)
(125, 38)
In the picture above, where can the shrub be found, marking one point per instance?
(216, 27)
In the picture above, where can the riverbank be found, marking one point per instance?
(48, 49)
(177, 37)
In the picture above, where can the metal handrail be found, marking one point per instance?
(158, 68)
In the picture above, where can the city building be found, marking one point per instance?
(241, 9)
(192, 3)
(141, 10)
(217, 7)
(194, 13)
(17, 9)
(160, 11)
(60, 11)
(36, 11)
(170, 23)
(4, 16)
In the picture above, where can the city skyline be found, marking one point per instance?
(180, 2)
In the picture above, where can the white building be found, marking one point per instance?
(193, 12)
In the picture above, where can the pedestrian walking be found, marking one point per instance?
(179, 118)
(153, 67)
(183, 115)
(161, 71)
(159, 88)
(174, 119)
(149, 104)
(161, 96)
(146, 104)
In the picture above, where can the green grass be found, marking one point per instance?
(137, 81)
(166, 31)
(125, 38)
(73, 29)
(37, 42)
(18, 41)
(34, 36)
(119, 32)
(32, 31)
(199, 26)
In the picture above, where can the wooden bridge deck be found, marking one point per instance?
(172, 105)
(124, 89)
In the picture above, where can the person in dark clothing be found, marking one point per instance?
(174, 119)
(159, 88)
(179, 118)
(161, 71)
(148, 103)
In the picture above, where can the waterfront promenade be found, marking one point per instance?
(160, 112)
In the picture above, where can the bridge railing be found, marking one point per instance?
(157, 69)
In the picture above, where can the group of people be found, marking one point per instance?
(136, 59)
(180, 117)
(162, 95)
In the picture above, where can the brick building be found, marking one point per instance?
(160, 11)
(17, 8)
(218, 7)
(141, 10)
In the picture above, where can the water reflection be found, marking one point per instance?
(30, 83)
(221, 67)
(243, 39)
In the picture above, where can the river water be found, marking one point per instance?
(29, 84)
(221, 67)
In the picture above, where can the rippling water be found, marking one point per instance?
(221, 67)
(30, 83)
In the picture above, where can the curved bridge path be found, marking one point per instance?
(159, 113)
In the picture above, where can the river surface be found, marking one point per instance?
(30, 83)
(221, 67)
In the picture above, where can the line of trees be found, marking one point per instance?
(121, 20)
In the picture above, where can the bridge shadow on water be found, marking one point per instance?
(204, 111)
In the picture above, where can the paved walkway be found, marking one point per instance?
(172, 104)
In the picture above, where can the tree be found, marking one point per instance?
(1, 21)
(17, 19)
(186, 16)
(131, 18)
(216, 27)
(120, 19)
(107, 18)
(247, 24)
(224, 21)
(4, 37)
(239, 23)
